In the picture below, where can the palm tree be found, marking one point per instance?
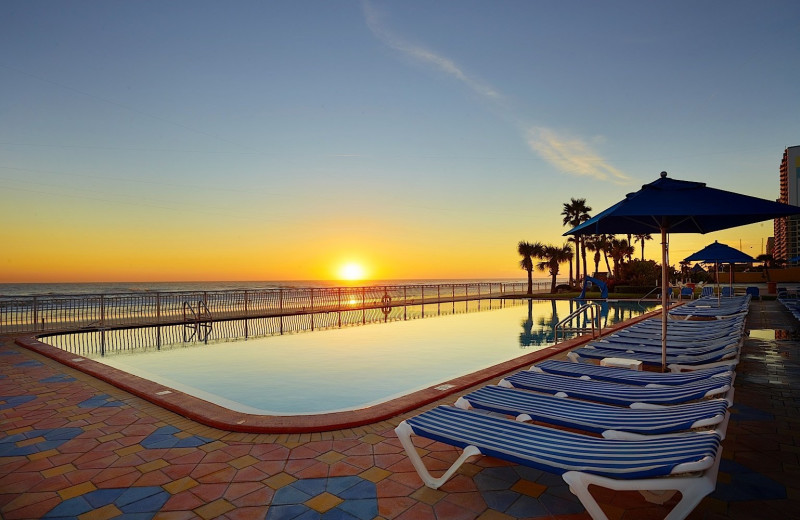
(641, 238)
(619, 250)
(529, 252)
(552, 258)
(604, 245)
(576, 212)
(592, 243)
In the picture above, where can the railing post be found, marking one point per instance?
(339, 301)
(312, 307)
(35, 313)
(280, 298)
(102, 311)
(158, 309)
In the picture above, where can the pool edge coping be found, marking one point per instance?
(210, 414)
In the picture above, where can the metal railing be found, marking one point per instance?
(592, 308)
(91, 311)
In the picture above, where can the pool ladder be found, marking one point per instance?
(197, 322)
(594, 317)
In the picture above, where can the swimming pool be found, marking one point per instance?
(338, 368)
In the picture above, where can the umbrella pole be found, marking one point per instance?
(664, 297)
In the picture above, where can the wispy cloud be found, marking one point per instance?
(571, 155)
(423, 55)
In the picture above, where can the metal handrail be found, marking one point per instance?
(583, 309)
(648, 294)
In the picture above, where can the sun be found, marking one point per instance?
(352, 271)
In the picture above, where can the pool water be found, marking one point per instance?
(337, 368)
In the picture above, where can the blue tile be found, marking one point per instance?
(72, 507)
(149, 504)
(364, 489)
(527, 507)
(102, 497)
(557, 505)
(310, 486)
(338, 484)
(62, 434)
(499, 500)
(159, 441)
(30, 363)
(135, 494)
(289, 495)
(506, 473)
(285, 512)
(337, 514)
(361, 509)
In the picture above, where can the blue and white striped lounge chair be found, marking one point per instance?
(727, 356)
(654, 345)
(627, 376)
(707, 291)
(610, 421)
(617, 394)
(687, 462)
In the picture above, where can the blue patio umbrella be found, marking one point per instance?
(675, 206)
(720, 254)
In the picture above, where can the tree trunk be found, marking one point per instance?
(553, 285)
(578, 259)
(583, 254)
(530, 281)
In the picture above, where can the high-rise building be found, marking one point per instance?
(787, 229)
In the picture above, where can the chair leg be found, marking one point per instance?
(404, 432)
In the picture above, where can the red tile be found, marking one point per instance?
(317, 470)
(224, 475)
(20, 482)
(183, 501)
(153, 478)
(96, 460)
(390, 488)
(449, 511)
(259, 497)
(34, 510)
(418, 511)
(247, 513)
(178, 471)
(240, 489)
(203, 469)
(209, 492)
(390, 508)
(270, 467)
(343, 469)
(249, 474)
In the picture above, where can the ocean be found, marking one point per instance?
(40, 289)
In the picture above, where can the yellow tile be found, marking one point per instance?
(28, 442)
(80, 417)
(323, 502)
(243, 462)
(375, 474)
(176, 486)
(152, 465)
(43, 455)
(427, 495)
(59, 470)
(76, 490)
(104, 513)
(526, 487)
(216, 508)
(491, 514)
(279, 480)
(213, 446)
(134, 448)
(19, 430)
(331, 457)
(372, 438)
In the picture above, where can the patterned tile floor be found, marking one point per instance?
(73, 447)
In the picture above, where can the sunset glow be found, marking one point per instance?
(352, 271)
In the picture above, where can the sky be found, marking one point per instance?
(196, 140)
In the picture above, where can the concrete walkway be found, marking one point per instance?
(72, 446)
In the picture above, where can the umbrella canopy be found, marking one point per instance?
(720, 253)
(674, 206)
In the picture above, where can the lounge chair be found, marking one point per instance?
(617, 394)
(727, 291)
(686, 462)
(753, 292)
(610, 421)
(687, 292)
(626, 376)
(707, 291)
(728, 356)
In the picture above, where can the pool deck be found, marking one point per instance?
(74, 446)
